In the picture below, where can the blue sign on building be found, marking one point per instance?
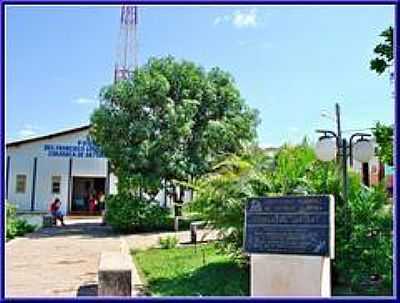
(82, 149)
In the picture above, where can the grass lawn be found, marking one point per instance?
(189, 272)
(185, 271)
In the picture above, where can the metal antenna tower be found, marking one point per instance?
(127, 57)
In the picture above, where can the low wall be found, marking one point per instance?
(32, 218)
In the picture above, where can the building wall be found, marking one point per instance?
(113, 184)
(21, 161)
(20, 164)
(89, 167)
(46, 169)
(373, 167)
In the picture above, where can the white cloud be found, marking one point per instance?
(27, 131)
(239, 18)
(293, 129)
(217, 20)
(245, 18)
(84, 101)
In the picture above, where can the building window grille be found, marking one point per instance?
(55, 184)
(21, 184)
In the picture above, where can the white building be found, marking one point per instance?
(65, 164)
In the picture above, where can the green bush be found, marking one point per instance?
(129, 213)
(16, 227)
(363, 225)
(168, 242)
(365, 248)
(220, 196)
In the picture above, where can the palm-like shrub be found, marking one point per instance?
(220, 196)
(363, 224)
(291, 165)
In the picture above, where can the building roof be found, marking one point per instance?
(49, 136)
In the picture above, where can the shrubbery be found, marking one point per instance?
(363, 248)
(221, 195)
(16, 227)
(364, 244)
(168, 242)
(363, 226)
(130, 213)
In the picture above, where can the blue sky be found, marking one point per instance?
(290, 62)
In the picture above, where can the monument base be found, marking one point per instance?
(290, 275)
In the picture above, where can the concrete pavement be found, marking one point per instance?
(63, 261)
(57, 261)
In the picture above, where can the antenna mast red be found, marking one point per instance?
(127, 57)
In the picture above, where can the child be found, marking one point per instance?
(56, 211)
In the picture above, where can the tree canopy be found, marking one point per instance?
(171, 120)
(383, 60)
(384, 52)
(384, 138)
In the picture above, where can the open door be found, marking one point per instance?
(82, 189)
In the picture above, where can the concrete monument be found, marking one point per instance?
(291, 242)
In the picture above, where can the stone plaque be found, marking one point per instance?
(299, 225)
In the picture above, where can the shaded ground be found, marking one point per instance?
(57, 261)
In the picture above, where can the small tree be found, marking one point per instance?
(221, 195)
(380, 64)
(384, 138)
(172, 120)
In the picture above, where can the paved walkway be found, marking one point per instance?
(64, 261)
(57, 261)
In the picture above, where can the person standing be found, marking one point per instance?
(92, 203)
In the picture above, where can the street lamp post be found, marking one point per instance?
(361, 150)
(344, 169)
(339, 130)
(327, 150)
(331, 145)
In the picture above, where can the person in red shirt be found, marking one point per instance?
(92, 203)
(55, 210)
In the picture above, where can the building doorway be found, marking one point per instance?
(82, 189)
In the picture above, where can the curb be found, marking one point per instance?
(137, 284)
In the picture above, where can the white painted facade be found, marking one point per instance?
(61, 155)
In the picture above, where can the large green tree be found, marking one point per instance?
(380, 64)
(171, 120)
